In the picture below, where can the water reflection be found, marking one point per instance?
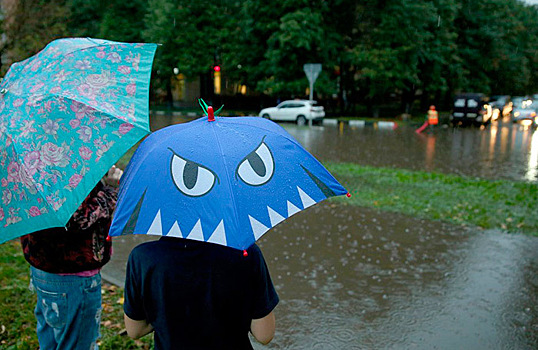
(429, 152)
(499, 151)
(532, 167)
(354, 278)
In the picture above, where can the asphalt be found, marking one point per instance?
(114, 271)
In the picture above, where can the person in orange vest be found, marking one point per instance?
(433, 116)
(431, 120)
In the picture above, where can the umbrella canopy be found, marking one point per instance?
(67, 115)
(226, 181)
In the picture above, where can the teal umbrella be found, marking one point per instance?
(67, 115)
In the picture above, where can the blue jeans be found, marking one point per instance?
(68, 310)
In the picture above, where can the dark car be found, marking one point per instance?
(471, 109)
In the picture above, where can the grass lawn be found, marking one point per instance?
(506, 205)
(502, 204)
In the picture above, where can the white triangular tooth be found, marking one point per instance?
(175, 231)
(306, 199)
(219, 235)
(292, 209)
(196, 232)
(275, 217)
(156, 227)
(257, 227)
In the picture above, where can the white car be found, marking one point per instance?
(300, 111)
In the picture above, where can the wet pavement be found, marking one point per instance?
(501, 151)
(357, 278)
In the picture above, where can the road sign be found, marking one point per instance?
(312, 71)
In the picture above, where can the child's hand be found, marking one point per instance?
(112, 178)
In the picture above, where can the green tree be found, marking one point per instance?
(398, 44)
(440, 62)
(122, 19)
(85, 17)
(279, 40)
(30, 25)
(192, 35)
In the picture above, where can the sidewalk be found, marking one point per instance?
(114, 271)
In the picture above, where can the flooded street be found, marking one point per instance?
(501, 151)
(357, 278)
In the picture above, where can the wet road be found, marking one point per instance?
(365, 280)
(356, 278)
(501, 151)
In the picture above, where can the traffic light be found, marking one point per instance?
(216, 79)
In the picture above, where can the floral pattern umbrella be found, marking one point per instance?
(67, 115)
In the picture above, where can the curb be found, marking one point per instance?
(362, 123)
(112, 280)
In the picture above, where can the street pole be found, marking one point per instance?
(312, 71)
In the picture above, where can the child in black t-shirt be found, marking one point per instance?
(198, 295)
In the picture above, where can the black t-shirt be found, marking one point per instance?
(198, 295)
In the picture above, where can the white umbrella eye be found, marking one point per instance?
(258, 167)
(192, 179)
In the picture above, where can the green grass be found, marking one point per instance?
(17, 322)
(506, 205)
(17, 325)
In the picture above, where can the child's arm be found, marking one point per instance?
(263, 329)
(136, 329)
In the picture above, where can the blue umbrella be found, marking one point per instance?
(67, 115)
(223, 180)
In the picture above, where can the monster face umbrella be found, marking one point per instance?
(221, 180)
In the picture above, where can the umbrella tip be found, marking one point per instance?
(245, 253)
(210, 114)
(348, 195)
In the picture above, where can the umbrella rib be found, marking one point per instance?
(284, 134)
(227, 181)
(89, 105)
(33, 58)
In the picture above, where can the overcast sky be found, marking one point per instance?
(534, 2)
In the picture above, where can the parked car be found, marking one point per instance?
(299, 111)
(471, 109)
(526, 112)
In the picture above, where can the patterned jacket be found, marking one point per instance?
(80, 246)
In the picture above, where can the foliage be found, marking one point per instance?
(501, 204)
(30, 24)
(371, 50)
